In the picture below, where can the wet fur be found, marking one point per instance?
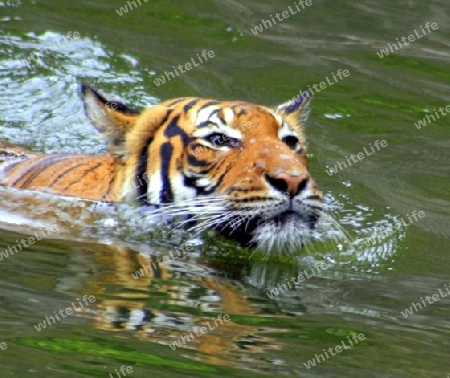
(162, 156)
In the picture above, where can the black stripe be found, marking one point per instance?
(106, 195)
(195, 145)
(166, 194)
(61, 175)
(206, 123)
(115, 105)
(84, 174)
(39, 167)
(174, 102)
(221, 118)
(209, 103)
(208, 168)
(189, 105)
(140, 180)
(252, 199)
(247, 190)
(216, 161)
(173, 129)
(121, 107)
(202, 172)
(221, 178)
(242, 108)
(190, 182)
(192, 160)
(214, 112)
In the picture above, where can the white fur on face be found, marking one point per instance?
(216, 124)
(180, 191)
(155, 187)
(271, 236)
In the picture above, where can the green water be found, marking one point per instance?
(365, 287)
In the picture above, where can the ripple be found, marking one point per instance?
(38, 99)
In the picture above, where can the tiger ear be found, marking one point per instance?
(296, 110)
(112, 118)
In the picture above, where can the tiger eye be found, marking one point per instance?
(291, 141)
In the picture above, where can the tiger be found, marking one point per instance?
(232, 166)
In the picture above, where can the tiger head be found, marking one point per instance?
(234, 166)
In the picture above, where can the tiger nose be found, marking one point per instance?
(288, 184)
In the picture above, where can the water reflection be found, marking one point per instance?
(364, 289)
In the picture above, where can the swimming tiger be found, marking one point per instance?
(233, 166)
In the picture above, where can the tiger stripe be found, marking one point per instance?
(38, 166)
(84, 173)
(57, 173)
(186, 148)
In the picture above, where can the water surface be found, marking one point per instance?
(366, 285)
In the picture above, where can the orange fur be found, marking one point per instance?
(90, 177)
(250, 157)
(112, 177)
